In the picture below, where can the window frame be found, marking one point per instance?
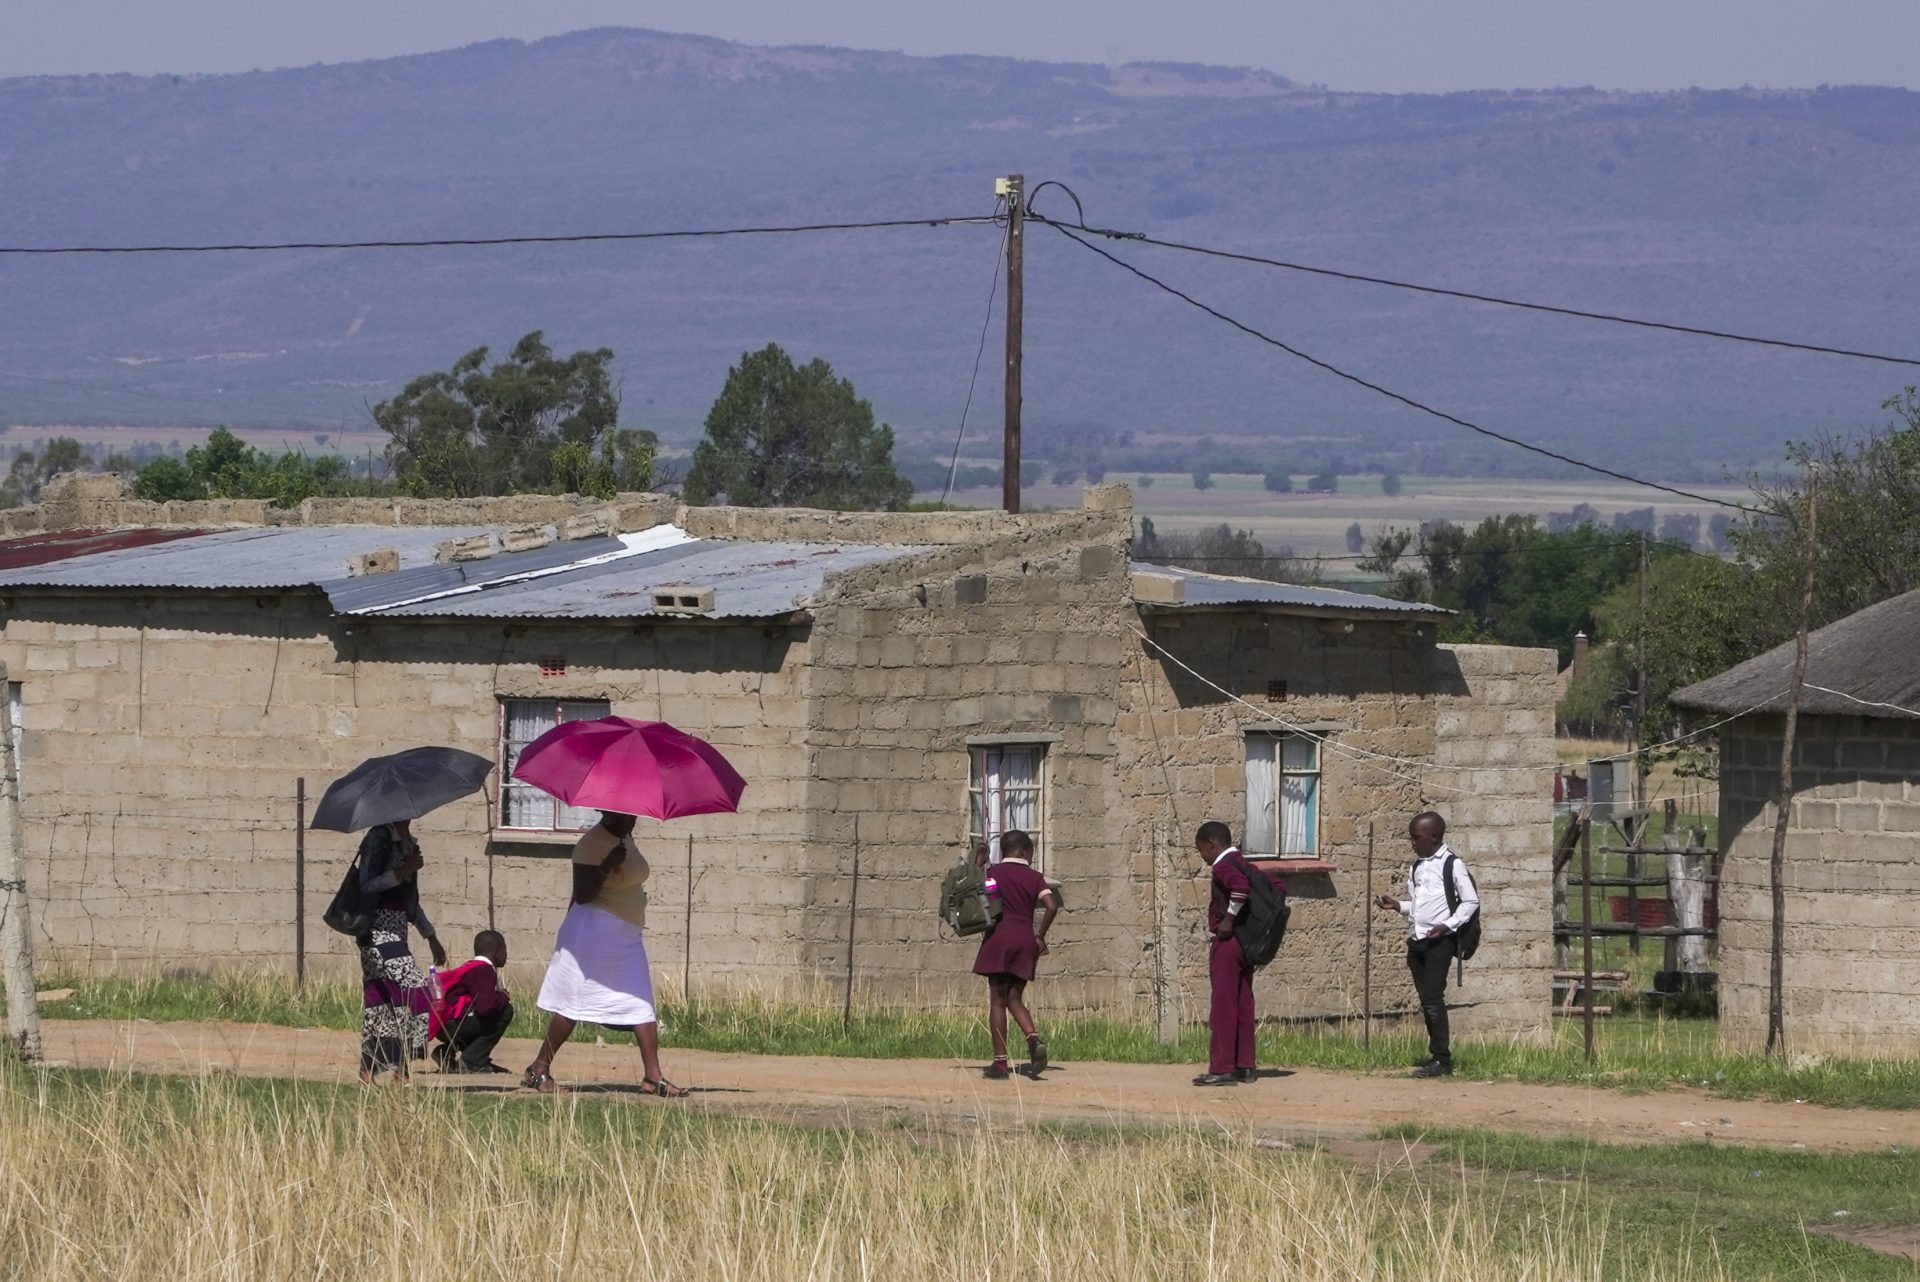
(1281, 773)
(1041, 787)
(503, 707)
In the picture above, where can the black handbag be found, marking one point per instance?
(351, 911)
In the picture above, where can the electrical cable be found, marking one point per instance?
(1579, 313)
(1409, 401)
(488, 241)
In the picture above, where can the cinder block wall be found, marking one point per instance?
(1493, 734)
(1852, 938)
(1017, 635)
(163, 737)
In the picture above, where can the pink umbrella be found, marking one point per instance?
(633, 767)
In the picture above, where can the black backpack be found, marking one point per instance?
(1468, 936)
(1263, 923)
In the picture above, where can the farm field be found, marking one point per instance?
(1316, 524)
(236, 1152)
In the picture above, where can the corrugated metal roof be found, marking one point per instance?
(373, 591)
(750, 580)
(1864, 665)
(282, 557)
(1222, 589)
(43, 549)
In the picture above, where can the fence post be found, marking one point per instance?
(1586, 929)
(300, 884)
(853, 918)
(686, 953)
(1166, 1014)
(16, 938)
(1366, 928)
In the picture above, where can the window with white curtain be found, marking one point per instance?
(521, 722)
(1007, 790)
(1283, 796)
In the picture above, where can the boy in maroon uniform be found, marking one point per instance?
(1011, 947)
(1230, 1054)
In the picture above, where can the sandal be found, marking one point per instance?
(542, 1081)
(663, 1088)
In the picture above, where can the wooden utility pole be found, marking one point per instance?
(1776, 871)
(1013, 187)
(1366, 934)
(1166, 1010)
(853, 920)
(16, 937)
(1640, 767)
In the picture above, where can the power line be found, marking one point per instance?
(488, 241)
(1358, 381)
(1579, 313)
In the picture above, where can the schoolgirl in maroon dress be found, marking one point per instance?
(1011, 948)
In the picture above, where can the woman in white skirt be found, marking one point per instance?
(599, 971)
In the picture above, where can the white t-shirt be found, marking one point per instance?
(625, 892)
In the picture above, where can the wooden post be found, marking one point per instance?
(300, 884)
(1776, 970)
(1670, 844)
(686, 953)
(1586, 929)
(1166, 1008)
(853, 917)
(16, 920)
(1640, 768)
(1366, 967)
(1015, 192)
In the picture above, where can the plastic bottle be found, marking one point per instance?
(433, 984)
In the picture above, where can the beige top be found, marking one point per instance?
(625, 892)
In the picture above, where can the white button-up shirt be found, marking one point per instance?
(1426, 903)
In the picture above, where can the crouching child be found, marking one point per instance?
(474, 1011)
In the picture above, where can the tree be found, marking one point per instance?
(1325, 481)
(1390, 484)
(1202, 479)
(1680, 527)
(1221, 549)
(531, 423)
(226, 467)
(1278, 480)
(782, 435)
(1383, 559)
(1356, 538)
(1144, 481)
(30, 471)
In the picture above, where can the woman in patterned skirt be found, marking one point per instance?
(393, 1030)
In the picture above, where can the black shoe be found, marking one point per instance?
(1216, 1079)
(997, 1071)
(1434, 1068)
(1037, 1056)
(443, 1060)
(1245, 1074)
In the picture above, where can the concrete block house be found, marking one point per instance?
(896, 687)
(1852, 956)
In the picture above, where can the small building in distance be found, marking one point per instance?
(895, 687)
(1852, 959)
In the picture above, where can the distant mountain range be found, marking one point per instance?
(1786, 213)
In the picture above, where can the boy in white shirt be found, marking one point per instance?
(1433, 919)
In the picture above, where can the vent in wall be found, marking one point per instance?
(553, 666)
(1276, 692)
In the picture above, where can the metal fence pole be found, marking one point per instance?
(853, 917)
(686, 953)
(1366, 971)
(300, 884)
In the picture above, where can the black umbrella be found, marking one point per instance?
(384, 790)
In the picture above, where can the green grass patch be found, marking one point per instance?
(1635, 1053)
(1756, 1211)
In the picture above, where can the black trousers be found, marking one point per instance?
(475, 1036)
(1428, 959)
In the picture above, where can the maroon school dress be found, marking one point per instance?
(1011, 947)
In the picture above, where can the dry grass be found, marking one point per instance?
(116, 1177)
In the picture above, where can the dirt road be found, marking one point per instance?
(1304, 1105)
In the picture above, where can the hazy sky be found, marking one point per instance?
(1354, 44)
